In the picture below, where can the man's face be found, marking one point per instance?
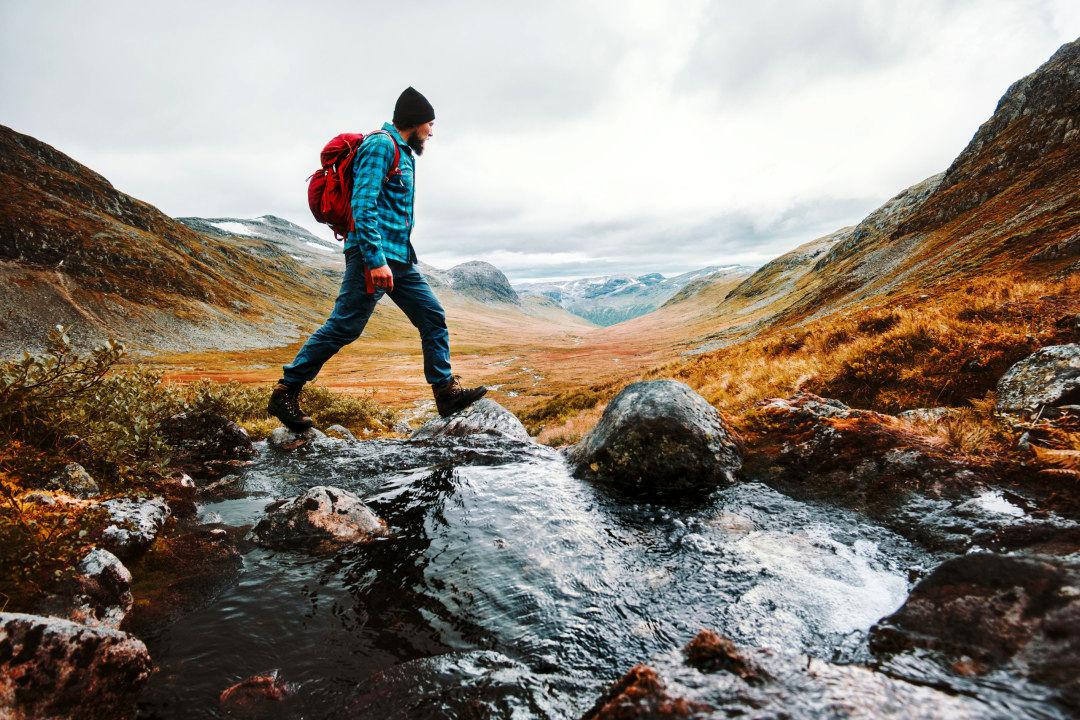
(420, 135)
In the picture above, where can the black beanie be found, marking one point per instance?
(412, 109)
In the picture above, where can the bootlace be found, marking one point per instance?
(293, 403)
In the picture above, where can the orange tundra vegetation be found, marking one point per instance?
(948, 348)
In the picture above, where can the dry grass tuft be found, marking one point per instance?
(573, 429)
(925, 351)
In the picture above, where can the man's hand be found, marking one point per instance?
(383, 278)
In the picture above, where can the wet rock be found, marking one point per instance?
(814, 447)
(720, 680)
(320, 519)
(984, 611)
(256, 696)
(477, 685)
(207, 446)
(1050, 376)
(225, 488)
(641, 694)
(710, 652)
(341, 432)
(483, 416)
(283, 439)
(401, 427)
(52, 668)
(658, 436)
(179, 491)
(73, 480)
(98, 596)
(133, 524)
(183, 572)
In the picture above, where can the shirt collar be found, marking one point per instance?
(389, 127)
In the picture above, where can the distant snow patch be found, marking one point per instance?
(234, 228)
(317, 246)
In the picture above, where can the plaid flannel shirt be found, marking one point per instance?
(382, 209)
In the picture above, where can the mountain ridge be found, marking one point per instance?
(611, 299)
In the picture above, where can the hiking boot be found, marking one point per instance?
(285, 406)
(451, 397)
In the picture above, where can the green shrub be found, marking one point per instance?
(355, 412)
(63, 392)
(115, 412)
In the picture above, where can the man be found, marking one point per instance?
(379, 257)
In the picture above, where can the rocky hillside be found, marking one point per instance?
(611, 299)
(1008, 205)
(275, 235)
(76, 251)
(475, 279)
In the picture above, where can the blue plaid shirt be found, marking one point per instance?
(383, 209)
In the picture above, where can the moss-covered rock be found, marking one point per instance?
(659, 436)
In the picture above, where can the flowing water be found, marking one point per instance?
(533, 590)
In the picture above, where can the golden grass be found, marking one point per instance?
(572, 429)
(918, 351)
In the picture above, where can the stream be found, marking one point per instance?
(510, 584)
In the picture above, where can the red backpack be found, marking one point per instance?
(330, 188)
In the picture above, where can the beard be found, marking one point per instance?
(416, 144)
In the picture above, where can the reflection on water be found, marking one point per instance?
(523, 573)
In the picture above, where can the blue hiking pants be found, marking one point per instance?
(354, 306)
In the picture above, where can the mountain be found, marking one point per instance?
(76, 251)
(1008, 206)
(476, 279)
(280, 235)
(611, 299)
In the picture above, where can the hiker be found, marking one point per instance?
(379, 259)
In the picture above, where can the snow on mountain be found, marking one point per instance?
(281, 235)
(610, 299)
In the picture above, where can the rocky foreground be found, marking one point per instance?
(991, 629)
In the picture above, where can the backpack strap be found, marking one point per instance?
(394, 169)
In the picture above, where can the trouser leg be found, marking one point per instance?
(352, 309)
(413, 295)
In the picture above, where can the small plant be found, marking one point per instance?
(355, 412)
(40, 543)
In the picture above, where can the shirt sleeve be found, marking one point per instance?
(372, 163)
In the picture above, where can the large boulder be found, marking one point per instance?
(1050, 376)
(134, 523)
(99, 595)
(52, 669)
(321, 519)
(207, 446)
(483, 416)
(985, 611)
(659, 436)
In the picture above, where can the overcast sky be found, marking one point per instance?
(571, 138)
